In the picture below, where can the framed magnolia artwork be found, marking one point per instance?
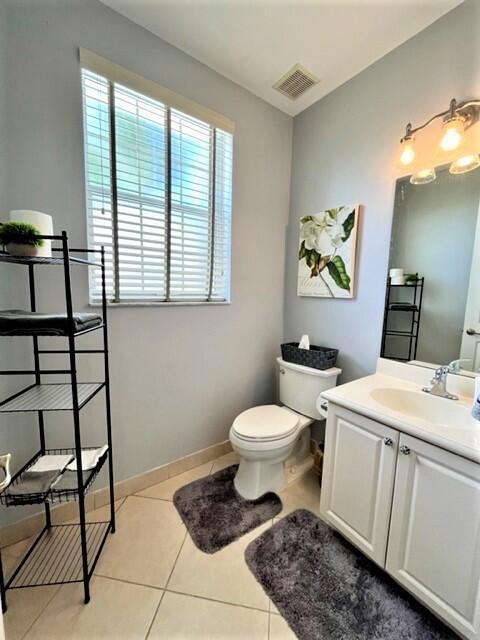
(326, 257)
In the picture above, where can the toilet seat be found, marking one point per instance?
(265, 423)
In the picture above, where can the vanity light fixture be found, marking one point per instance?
(455, 142)
(424, 176)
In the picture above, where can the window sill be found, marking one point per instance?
(112, 305)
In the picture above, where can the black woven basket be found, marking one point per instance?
(315, 357)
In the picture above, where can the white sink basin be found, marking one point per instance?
(421, 405)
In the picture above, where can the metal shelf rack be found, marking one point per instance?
(414, 307)
(44, 566)
(62, 553)
(51, 397)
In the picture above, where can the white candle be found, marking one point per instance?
(396, 273)
(42, 221)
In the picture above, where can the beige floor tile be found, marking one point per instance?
(18, 549)
(23, 605)
(273, 608)
(225, 461)
(144, 548)
(165, 490)
(68, 510)
(302, 494)
(221, 576)
(279, 629)
(101, 514)
(116, 610)
(8, 564)
(182, 617)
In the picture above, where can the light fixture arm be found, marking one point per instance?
(408, 132)
(453, 107)
(469, 110)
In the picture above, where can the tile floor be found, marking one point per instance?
(152, 582)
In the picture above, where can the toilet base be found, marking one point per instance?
(262, 471)
(255, 478)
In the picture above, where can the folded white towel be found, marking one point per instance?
(51, 463)
(90, 459)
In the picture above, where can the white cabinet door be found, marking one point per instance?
(434, 543)
(358, 475)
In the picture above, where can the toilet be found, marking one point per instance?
(267, 437)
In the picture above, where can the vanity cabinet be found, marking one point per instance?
(434, 541)
(412, 507)
(358, 478)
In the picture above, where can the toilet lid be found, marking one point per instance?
(266, 422)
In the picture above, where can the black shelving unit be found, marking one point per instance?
(413, 308)
(61, 553)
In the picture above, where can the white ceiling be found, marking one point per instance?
(254, 42)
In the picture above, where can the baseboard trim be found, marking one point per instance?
(12, 533)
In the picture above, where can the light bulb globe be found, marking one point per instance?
(465, 164)
(407, 151)
(452, 134)
(424, 176)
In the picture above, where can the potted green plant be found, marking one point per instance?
(20, 238)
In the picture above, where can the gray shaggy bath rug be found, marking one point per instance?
(327, 590)
(216, 515)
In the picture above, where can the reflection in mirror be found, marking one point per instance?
(432, 308)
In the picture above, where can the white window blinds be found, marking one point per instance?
(159, 186)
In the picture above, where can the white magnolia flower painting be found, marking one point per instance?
(326, 257)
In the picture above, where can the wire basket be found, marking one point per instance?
(51, 495)
(315, 357)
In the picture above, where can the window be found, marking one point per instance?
(158, 184)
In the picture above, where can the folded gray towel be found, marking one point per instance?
(14, 322)
(34, 482)
(68, 481)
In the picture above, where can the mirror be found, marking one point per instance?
(432, 314)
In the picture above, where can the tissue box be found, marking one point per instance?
(315, 357)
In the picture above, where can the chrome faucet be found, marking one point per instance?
(438, 385)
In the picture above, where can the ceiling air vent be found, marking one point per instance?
(295, 82)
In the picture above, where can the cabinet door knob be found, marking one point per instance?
(282, 371)
(387, 442)
(405, 450)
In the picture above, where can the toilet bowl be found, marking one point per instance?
(267, 436)
(264, 437)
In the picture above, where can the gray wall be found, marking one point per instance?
(344, 152)
(3, 104)
(17, 432)
(180, 375)
(433, 233)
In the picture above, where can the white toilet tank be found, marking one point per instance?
(299, 386)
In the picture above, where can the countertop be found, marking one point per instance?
(356, 396)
